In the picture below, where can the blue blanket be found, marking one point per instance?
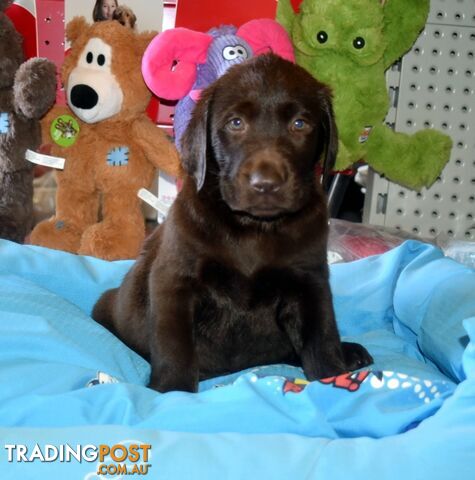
(64, 380)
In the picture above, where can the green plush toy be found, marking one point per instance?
(349, 44)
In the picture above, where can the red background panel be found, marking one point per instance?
(25, 24)
(204, 14)
(295, 4)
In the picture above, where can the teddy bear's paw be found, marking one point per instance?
(13, 229)
(35, 87)
(58, 234)
(111, 241)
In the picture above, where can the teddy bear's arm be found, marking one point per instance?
(403, 22)
(157, 146)
(48, 120)
(285, 14)
(35, 87)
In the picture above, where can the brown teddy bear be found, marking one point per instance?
(111, 148)
(27, 91)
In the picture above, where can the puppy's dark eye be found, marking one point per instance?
(322, 36)
(101, 60)
(89, 57)
(236, 124)
(299, 125)
(359, 43)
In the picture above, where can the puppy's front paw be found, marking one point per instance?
(316, 369)
(356, 356)
(169, 383)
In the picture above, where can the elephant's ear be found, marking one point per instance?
(169, 64)
(143, 40)
(266, 35)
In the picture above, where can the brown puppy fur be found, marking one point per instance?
(125, 16)
(237, 275)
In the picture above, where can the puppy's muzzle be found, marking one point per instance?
(262, 186)
(264, 172)
(266, 181)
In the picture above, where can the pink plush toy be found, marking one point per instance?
(179, 63)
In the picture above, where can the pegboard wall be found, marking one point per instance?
(433, 87)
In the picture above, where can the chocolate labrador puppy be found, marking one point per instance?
(237, 275)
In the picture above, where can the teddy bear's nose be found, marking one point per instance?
(83, 96)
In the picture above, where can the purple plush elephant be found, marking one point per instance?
(179, 63)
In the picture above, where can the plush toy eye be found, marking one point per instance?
(101, 59)
(241, 51)
(359, 43)
(89, 57)
(233, 52)
(322, 36)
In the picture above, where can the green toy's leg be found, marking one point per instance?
(122, 231)
(75, 211)
(414, 161)
(345, 159)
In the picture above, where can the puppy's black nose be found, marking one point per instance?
(270, 182)
(83, 96)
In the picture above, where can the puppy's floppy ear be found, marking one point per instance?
(330, 133)
(194, 143)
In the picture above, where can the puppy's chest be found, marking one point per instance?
(240, 287)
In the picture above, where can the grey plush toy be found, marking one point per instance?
(27, 91)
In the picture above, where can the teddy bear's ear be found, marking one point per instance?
(75, 28)
(143, 40)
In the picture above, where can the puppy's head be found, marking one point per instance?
(259, 132)
(125, 16)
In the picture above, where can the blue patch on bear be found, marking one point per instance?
(4, 122)
(118, 157)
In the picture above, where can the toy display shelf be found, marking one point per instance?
(41, 23)
(433, 87)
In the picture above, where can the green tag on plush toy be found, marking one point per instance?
(64, 130)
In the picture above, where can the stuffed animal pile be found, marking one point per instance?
(111, 148)
(27, 91)
(179, 63)
(349, 45)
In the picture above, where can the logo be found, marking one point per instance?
(64, 130)
(127, 458)
(364, 135)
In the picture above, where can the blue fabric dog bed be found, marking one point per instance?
(66, 380)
